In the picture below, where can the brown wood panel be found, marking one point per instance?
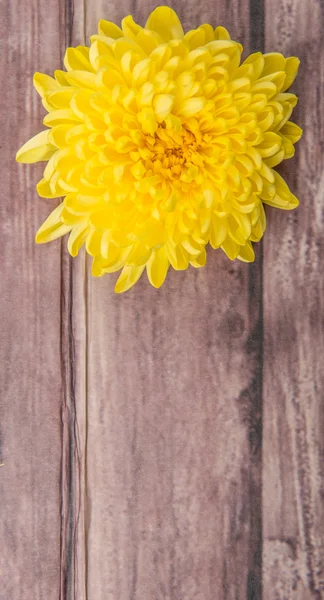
(293, 510)
(173, 424)
(131, 425)
(73, 486)
(169, 462)
(30, 300)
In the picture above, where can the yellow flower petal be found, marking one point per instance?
(191, 106)
(83, 79)
(61, 98)
(148, 40)
(101, 265)
(60, 117)
(130, 28)
(44, 189)
(53, 227)
(200, 260)
(157, 267)
(283, 197)
(128, 277)
(148, 121)
(291, 131)
(93, 242)
(109, 29)
(246, 253)
(60, 77)
(77, 59)
(58, 135)
(36, 149)
(44, 84)
(77, 237)
(273, 62)
(292, 66)
(195, 38)
(177, 256)
(166, 23)
(162, 105)
(221, 33)
(218, 231)
(230, 248)
(292, 204)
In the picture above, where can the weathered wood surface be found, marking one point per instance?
(293, 440)
(132, 425)
(31, 357)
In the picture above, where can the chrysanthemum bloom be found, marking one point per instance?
(160, 143)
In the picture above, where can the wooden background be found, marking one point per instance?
(161, 445)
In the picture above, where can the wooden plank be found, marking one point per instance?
(73, 488)
(172, 438)
(293, 510)
(74, 414)
(169, 460)
(31, 374)
(136, 471)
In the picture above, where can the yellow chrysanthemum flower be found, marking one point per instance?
(162, 142)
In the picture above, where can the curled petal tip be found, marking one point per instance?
(165, 21)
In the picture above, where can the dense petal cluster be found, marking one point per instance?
(162, 142)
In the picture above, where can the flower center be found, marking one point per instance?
(169, 152)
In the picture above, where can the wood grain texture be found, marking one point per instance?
(30, 349)
(132, 426)
(173, 440)
(293, 509)
(169, 458)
